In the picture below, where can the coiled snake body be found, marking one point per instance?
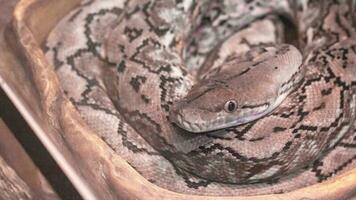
(268, 118)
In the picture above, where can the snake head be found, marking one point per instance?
(213, 106)
(242, 92)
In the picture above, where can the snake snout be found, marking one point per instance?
(176, 116)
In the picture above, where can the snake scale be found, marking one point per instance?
(207, 97)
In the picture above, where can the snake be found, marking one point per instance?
(215, 97)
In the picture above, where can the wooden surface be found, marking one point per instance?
(14, 131)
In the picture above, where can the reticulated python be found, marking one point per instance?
(277, 119)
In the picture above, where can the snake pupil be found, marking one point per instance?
(231, 106)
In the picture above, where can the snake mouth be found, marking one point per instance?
(206, 126)
(218, 122)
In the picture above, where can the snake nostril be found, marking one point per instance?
(175, 116)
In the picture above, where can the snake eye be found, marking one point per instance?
(230, 106)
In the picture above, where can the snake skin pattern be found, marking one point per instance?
(124, 63)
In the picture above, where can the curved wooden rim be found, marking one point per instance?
(119, 173)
